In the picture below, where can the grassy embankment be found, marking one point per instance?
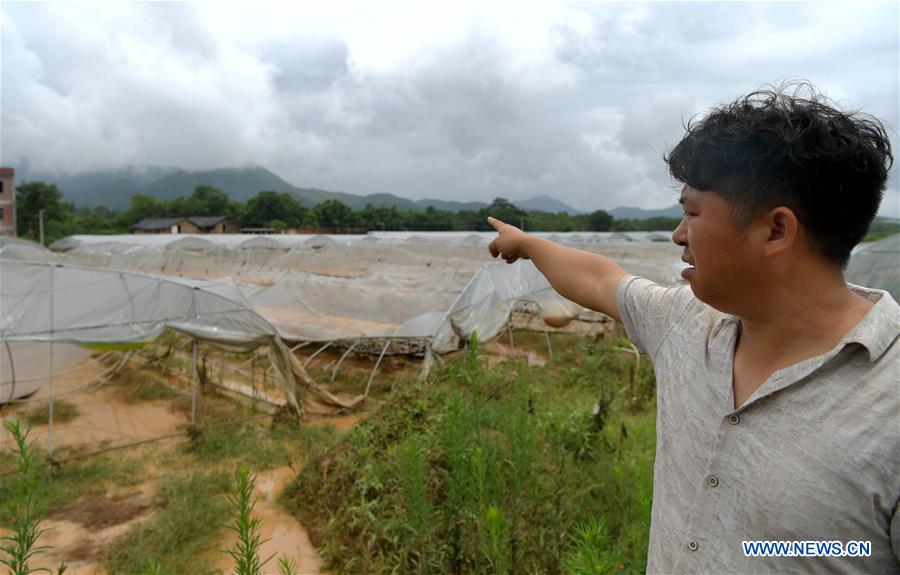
(503, 469)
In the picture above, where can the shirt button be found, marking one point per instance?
(692, 545)
(734, 419)
(712, 480)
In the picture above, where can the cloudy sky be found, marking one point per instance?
(454, 101)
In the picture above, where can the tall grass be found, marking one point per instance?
(493, 470)
(24, 506)
(245, 550)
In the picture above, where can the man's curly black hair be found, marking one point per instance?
(790, 146)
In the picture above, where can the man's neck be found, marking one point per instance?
(797, 321)
(791, 324)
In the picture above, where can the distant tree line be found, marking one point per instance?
(280, 210)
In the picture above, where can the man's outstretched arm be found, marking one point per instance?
(586, 278)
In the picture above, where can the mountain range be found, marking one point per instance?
(114, 188)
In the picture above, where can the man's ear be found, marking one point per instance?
(782, 227)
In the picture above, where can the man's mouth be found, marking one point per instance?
(688, 270)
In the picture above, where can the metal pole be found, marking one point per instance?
(549, 347)
(374, 369)
(338, 366)
(300, 345)
(194, 383)
(318, 351)
(253, 380)
(50, 386)
(41, 224)
(12, 370)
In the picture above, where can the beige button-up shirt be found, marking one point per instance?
(812, 455)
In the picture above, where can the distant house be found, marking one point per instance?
(159, 226)
(7, 202)
(214, 225)
(190, 225)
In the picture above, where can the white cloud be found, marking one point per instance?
(469, 101)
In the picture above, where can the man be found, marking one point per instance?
(778, 384)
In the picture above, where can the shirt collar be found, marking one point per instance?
(880, 326)
(877, 330)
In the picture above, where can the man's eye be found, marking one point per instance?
(687, 214)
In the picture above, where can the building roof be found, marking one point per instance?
(165, 223)
(155, 223)
(206, 221)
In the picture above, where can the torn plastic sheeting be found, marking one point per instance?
(50, 302)
(486, 302)
(46, 301)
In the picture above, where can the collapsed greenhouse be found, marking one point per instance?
(383, 294)
(417, 295)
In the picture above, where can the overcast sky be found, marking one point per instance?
(465, 102)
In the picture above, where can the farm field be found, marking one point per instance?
(497, 463)
(403, 404)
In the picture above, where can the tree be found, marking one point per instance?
(625, 225)
(660, 224)
(31, 198)
(209, 201)
(334, 214)
(468, 220)
(267, 206)
(277, 225)
(384, 218)
(142, 207)
(503, 210)
(429, 220)
(600, 221)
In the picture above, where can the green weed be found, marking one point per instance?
(63, 411)
(491, 470)
(287, 565)
(245, 550)
(24, 506)
(181, 536)
(591, 552)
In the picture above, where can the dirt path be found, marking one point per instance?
(80, 533)
(282, 534)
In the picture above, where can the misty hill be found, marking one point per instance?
(114, 189)
(450, 206)
(546, 204)
(240, 184)
(639, 214)
(111, 188)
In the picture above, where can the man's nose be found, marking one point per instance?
(679, 236)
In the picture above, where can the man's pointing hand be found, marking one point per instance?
(509, 243)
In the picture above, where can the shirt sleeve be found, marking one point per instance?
(649, 310)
